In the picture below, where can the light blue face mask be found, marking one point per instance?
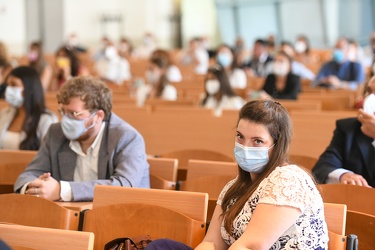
(72, 128)
(224, 59)
(338, 55)
(251, 159)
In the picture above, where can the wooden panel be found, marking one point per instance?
(165, 168)
(39, 212)
(335, 216)
(201, 168)
(191, 204)
(362, 225)
(355, 197)
(132, 219)
(25, 237)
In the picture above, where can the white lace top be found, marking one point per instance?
(285, 186)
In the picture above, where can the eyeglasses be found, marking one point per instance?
(72, 114)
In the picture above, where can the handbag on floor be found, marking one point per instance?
(127, 243)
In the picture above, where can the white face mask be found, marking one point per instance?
(13, 96)
(73, 129)
(152, 76)
(111, 53)
(212, 86)
(280, 69)
(300, 47)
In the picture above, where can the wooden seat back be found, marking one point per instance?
(12, 164)
(191, 204)
(163, 173)
(39, 238)
(34, 211)
(362, 225)
(357, 198)
(134, 219)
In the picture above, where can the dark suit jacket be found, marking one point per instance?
(349, 149)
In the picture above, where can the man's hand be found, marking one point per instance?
(353, 179)
(368, 123)
(45, 186)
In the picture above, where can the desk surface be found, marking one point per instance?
(79, 206)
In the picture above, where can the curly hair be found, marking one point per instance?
(92, 91)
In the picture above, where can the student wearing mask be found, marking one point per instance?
(302, 49)
(282, 83)
(271, 204)
(260, 59)
(156, 85)
(225, 57)
(38, 62)
(25, 122)
(90, 146)
(173, 72)
(340, 72)
(112, 67)
(219, 95)
(298, 68)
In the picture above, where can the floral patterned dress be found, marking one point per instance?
(285, 186)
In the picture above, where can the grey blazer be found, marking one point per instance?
(122, 160)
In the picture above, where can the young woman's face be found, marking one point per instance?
(14, 81)
(251, 134)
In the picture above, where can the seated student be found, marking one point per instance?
(197, 56)
(156, 85)
(260, 60)
(90, 146)
(26, 121)
(298, 68)
(40, 64)
(340, 72)
(67, 65)
(302, 49)
(282, 83)
(350, 157)
(173, 72)
(112, 67)
(271, 204)
(219, 94)
(225, 57)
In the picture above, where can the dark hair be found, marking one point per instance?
(33, 103)
(262, 42)
(162, 63)
(307, 42)
(74, 61)
(234, 56)
(39, 63)
(276, 119)
(225, 87)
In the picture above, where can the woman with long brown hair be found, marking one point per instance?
(271, 204)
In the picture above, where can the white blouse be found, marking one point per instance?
(237, 79)
(285, 186)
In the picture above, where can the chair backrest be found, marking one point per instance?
(135, 219)
(355, 197)
(362, 225)
(184, 156)
(335, 216)
(34, 211)
(26, 237)
(12, 164)
(201, 168)
(191, 204)
(305, 161)
(165, 168)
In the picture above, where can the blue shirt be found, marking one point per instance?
(351, 72)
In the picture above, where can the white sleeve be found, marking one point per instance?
(334, 176)
(66, 191)
(169, 93)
